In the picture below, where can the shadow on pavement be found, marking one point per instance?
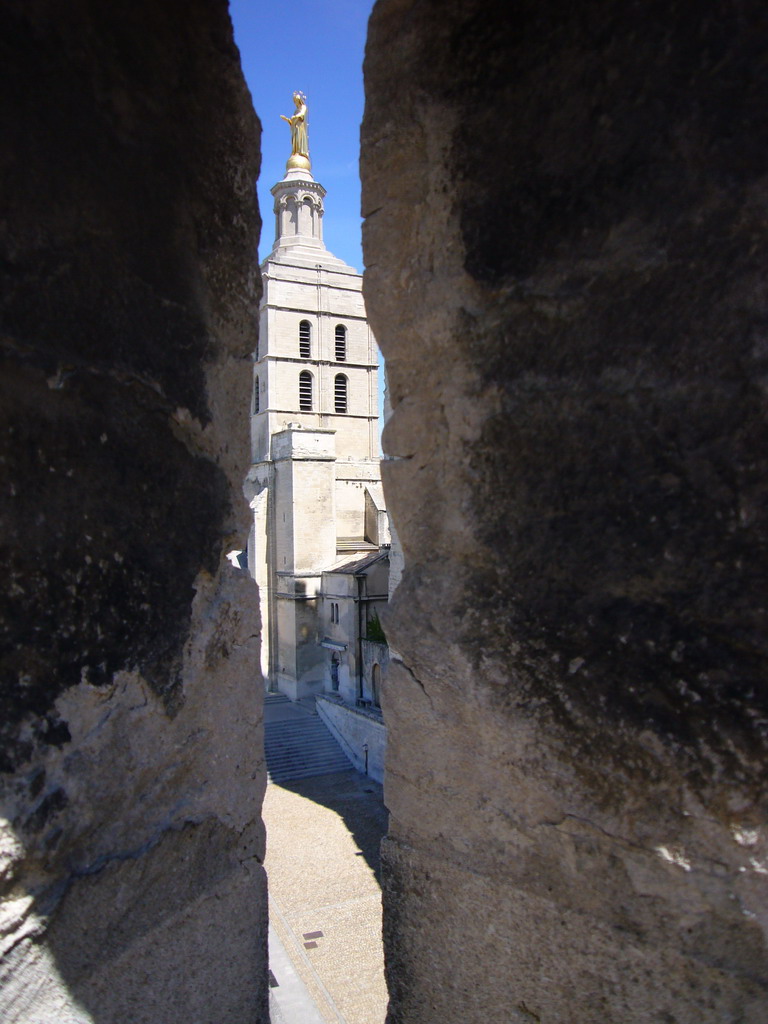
(357, 799)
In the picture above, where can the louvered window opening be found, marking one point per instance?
(340, 393)
(305, 391)
(256, 395)
(341, 344)
(305, 334)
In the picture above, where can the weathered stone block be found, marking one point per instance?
(564, 242)
(130, 709)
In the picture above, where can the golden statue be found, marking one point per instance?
(299, 158)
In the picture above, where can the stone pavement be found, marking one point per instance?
(323, 836)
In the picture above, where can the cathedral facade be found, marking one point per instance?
(315, 479)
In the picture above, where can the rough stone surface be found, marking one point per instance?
(566, 239)
(130, 710)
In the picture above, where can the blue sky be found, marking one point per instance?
(315, 46)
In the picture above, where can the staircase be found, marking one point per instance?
(297, 743)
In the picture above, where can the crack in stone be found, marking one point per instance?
(624, 841)
(419, 683)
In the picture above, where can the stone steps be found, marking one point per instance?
(298, 748)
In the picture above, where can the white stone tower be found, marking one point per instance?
(315, 437)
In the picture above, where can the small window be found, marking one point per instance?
(305, 391)
(341, 343)
(305, 336)
(340, 393)
(255, 395)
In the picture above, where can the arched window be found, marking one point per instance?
(340, 393)
(255, 395)
(341, 343)
(305, 335)
(305, 391)
(376, 686)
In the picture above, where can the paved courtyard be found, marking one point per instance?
(322, 863)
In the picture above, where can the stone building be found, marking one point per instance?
(353, 595)
(317, 500)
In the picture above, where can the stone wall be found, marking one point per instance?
(355, 728)
(566, 245)
(130, 706)
(374, 653)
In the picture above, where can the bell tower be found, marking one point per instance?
(314, 423)
(299, 212)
